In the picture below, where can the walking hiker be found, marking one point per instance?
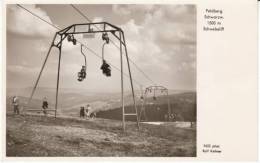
(16, 105)
(82, 112)
(45, 106)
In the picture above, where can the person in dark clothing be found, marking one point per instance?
(45, 106)
(82, 112)
(16, 105)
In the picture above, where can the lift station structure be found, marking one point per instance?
(153, 89)
(86, 28)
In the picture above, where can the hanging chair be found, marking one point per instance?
(105, 67)
(82, 74)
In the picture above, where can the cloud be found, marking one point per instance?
(130, 9)
(23, 23)
(22, 69)
(71, 68)
(185, 66)
(121, 9)
(160, 34)
(163, 41)
(97, 19)
(25, 70)
(172, 24)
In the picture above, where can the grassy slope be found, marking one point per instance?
(29, 135)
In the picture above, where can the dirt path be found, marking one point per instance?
(30, 135)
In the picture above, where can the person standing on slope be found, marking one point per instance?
(16, 105)
(82, 112)
(45, 105)
(88, 108)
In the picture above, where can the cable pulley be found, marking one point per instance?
(71, 38)
(105, 37)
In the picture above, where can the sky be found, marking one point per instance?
(161, 40)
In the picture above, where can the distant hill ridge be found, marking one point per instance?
(69, 103)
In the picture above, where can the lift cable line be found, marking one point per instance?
(69, 33)
(38, 16)
(84, 15)
(92, 51)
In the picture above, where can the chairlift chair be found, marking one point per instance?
(82, 74)
(105, 67)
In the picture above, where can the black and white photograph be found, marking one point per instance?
(101, 80)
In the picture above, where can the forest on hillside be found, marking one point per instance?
(182, 106)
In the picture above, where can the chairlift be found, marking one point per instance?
(105, 67)
(82, 74)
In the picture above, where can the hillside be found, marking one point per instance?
(68, 135)
(32, 135)
(183, 103)
(68, 98)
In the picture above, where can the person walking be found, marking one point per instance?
(16, 105)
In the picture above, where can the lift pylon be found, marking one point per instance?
(85, 28)
(153, 89)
